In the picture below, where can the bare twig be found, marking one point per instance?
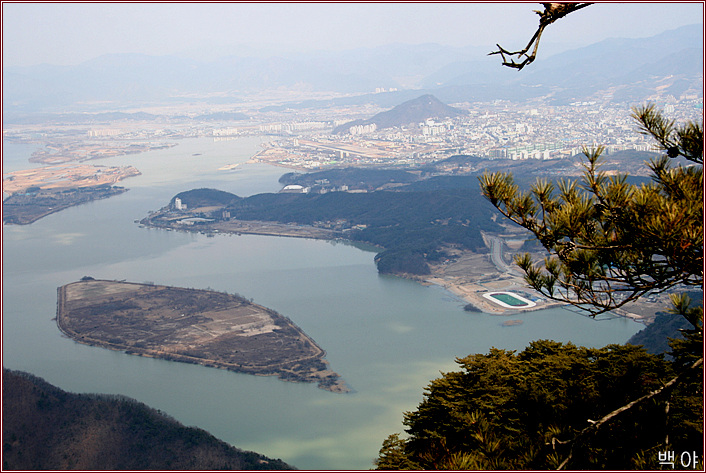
(551, 13)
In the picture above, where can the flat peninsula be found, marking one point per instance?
(35, 193)
(193, 326)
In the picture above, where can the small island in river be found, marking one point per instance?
(193, 326)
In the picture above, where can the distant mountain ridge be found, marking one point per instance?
(412, 111)
(627, 70)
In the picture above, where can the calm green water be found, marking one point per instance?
(509, 300)
(386, 336)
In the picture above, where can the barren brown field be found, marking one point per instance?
(36, 193)
(194, 326)
(65, 176)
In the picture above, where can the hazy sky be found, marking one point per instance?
(70, 33)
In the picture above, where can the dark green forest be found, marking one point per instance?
(524, 411)
(655, 337)
(355, 178)
(46, 428)
(556, 406)
(196, 198)
(412, 226)
(413, 221)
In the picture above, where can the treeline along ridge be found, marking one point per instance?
(412, 226)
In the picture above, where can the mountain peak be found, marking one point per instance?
(412, 111)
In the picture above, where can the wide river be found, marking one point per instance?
(386, 336)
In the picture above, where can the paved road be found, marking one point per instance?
(496, 256)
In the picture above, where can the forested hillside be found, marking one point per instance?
(413, 227)
(412, 221)
(655, 337)
(196, 198)
(46, 428)
(354, 178)
(520, 411)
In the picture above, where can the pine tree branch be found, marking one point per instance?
(595, 425)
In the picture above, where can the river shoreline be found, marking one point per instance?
(35, 193)
(467, 277)
(470, 288)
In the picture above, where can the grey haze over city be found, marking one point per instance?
(115, 55)
(71, 33)
(192, 107)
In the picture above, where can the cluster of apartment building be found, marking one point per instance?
(495, 130)
(499, 130)
(508, 131)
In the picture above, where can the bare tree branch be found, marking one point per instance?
(551, 13)
(594, 425)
